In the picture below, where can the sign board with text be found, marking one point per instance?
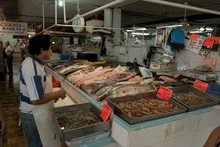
(14, 28)
(209, 41)
(106, 111)
(164, 93)
(195, 45)
(200, 85)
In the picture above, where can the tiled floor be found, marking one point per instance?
(9, 91)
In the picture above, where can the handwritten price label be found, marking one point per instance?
(106, 111)
(200, 85)
(164, 93)
(209, 41)
(194, 37)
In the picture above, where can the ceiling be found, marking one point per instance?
(135, 13)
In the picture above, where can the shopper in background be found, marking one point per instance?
(33, 93)
(9, 52)
(214, 138)
(1, 61)
(23, 48)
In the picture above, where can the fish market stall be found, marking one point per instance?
(167, 129)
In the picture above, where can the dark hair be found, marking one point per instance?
(37, 42)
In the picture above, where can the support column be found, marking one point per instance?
(117, 24)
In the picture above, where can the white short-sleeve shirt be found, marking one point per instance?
(32, 82)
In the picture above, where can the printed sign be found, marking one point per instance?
(164, 93)
(200, 85)
(195, 45)
(106, 111)
(14, 28)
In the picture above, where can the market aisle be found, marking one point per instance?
(9, 93)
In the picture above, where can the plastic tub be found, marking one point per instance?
(214, 89)
(64, 57)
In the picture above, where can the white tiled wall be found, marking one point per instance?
(130, 54)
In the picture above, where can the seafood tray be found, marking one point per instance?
(152, 107)
(75, 122)
(193, 98)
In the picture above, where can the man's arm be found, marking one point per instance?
(213, 138)
(50, 96)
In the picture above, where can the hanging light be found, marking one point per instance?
(60, 2)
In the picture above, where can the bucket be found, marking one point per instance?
(213, 89)
(64, 57)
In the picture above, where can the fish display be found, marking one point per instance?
(132, 89)
(167, 79)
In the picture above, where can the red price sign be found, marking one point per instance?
(209, 41)
(106, 111)
(164, 93)
(200, 85)
(194, 36)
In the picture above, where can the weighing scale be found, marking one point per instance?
(204, 76)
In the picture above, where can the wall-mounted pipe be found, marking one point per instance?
(92, 11)
(161, 2)
(65, 25)
(54, 25)
(120, 1)
(62, 33)
(43, 17)
(55, 12)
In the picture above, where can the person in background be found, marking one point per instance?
(213, 139)
(23, 48)
(33, 82)
(18, 43)
(9, 52)
(1, 61)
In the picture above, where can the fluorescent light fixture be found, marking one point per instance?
(137, 29)
(60, 2)
(195, 32)
(202, 30)
(209, 29)
(31, 33)
(129, 30)
(170, 26)
(205, 29)
(145, 34)
(142, 29)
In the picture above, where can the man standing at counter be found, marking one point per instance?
(35, 98)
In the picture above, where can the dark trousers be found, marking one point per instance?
(9, 64)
